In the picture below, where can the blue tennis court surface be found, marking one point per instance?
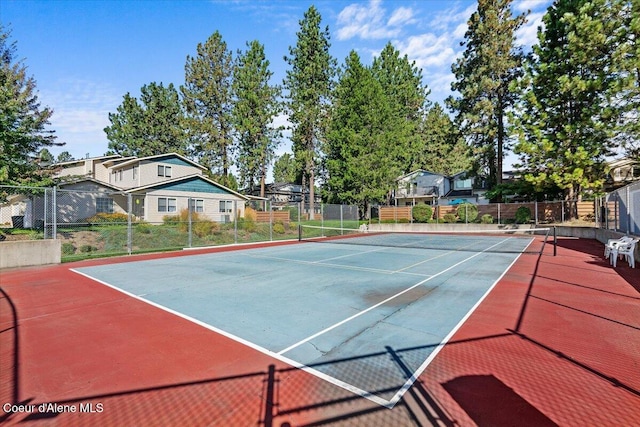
(366, 318)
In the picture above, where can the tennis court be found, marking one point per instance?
(377, 329)
(322, 306)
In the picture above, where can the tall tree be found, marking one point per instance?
(484, 73)
(207, 95)
(284, 169)
(401, 82)
(567, 118)
(444, 149)
(626, 94)
(309, 82)
(23, 121)
(255, 107)
(360, 149)
(153, 125)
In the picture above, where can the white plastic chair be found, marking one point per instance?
(612, 243)
(625, 249)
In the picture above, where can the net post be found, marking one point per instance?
(555, 241)
(299, 232)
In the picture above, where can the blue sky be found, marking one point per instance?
(86, 55)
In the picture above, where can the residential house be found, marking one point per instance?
(622, 172)
(422, 186)
(150, 187)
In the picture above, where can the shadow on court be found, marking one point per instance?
(550, 347)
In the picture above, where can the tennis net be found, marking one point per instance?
(532, 241)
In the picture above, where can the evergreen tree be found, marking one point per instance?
(401, 82)
(23, 120)
(309, 82)
(489, 65)
(256, 105)
(444, 150)
(360, 149)
(151, 126)
(207, 95)
(284, 169)
(567, 118)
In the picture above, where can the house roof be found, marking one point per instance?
(86, 179)
(623, 161)
(159, 157)
(190, 183)
(102, 158)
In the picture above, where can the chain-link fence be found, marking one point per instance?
(548, 212)
(620, 210)
(98, 222)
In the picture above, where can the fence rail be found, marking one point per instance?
(100, 222)
(540, 212)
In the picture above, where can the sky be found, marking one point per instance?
(85, 55)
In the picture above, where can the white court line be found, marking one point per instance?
(396, 398)
(348, 319)
(279, 355)
(363, 393)
(338, 266)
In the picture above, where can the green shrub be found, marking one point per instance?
(523, 215)
(278, 228)
(68, 249)
(87, 248)
(467, 212)
(107, 218)
(486, 219)
(422, 213)
(204, 227)
(449, 218)
(143, 228)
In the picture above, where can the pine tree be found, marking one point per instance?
(401, 82)
(484, 74)
(444, 150)
(361, 144)
(207, 96)
(23, 121)
(151, 126)
(255, 107)
(567, 119)
(309, 82)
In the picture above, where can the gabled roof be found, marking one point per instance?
(417, 171)
(159, 157)
(175, 182)
(85, 179)
(101, 158)
(623, 161)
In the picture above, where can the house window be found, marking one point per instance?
(135, 172)
(104, 205)
(120, 175)
(164, 170)
(226, 206)
(166, 204)
(197, 205)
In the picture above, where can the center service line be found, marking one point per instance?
(342, 322)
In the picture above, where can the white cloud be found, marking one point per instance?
(367, 21)
(80, 113)
(527, 35)
(428, 50)
(402, 15)
(525, 5)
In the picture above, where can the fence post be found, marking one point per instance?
(268, 204)
(235, 221)
(498, 213)
(129, 226)
(628, 203)
(54, 217)
(535, 208)
(189, 237)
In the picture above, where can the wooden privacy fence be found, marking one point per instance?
(273, 216)
(546, 211)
